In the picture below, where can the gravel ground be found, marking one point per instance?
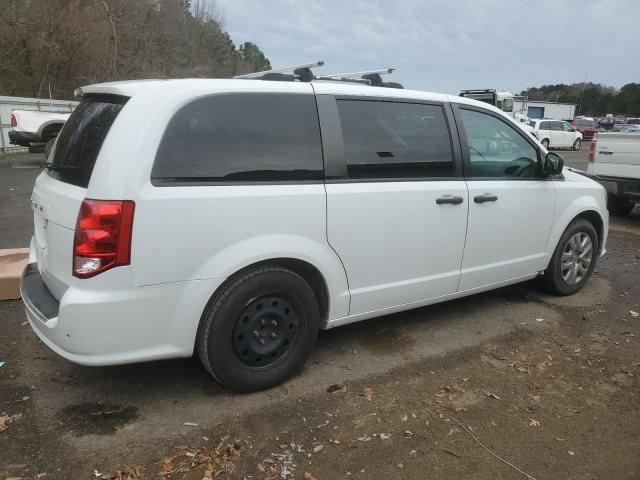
(472, 388)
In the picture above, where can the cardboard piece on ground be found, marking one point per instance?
(12, 262)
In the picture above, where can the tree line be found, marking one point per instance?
(50, 47)
(592, 99)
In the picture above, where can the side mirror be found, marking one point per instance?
(572, 129)
(553, 164)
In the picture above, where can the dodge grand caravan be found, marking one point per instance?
(236, 218)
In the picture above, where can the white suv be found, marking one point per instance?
(236, 218)
(556, 134)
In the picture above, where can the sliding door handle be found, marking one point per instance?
(487, 197)
(449, 199)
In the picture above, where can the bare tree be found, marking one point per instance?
(62, 44)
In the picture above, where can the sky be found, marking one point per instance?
(446, 46)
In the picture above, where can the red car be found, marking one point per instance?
(586, 127)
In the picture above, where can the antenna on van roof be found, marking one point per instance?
(303, 73)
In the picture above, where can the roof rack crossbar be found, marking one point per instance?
(303, 73)
(384, 71)
(282, 70)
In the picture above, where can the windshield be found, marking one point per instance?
(81, 138)
(507, 105)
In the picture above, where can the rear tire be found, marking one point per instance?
(577, 144)
(259, 329)
(619, 207)
(573, 260)
(545, 143)
(36, 148)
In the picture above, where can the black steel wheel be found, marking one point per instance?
(265, 330)
(258, 329)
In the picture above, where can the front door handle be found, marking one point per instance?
(449, 199)
(487, 197)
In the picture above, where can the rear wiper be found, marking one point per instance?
(56, 167)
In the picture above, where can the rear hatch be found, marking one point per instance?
(61, 188)
(617, 155)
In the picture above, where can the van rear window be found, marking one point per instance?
(81, 138)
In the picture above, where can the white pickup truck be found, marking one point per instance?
(33, 129)
(615, 158)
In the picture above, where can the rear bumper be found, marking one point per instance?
(115, 327)
(622, 187)
(23, 138)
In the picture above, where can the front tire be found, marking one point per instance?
(577, 144)
(619, 207)
(259, 329)
(573, 260)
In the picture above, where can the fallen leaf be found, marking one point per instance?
(190, 424)
(634, 314)
(534, 423)
(318, 448)
(365, 438)
(309, 476)
(368, 393)
(493, 395)
(404, 418)
(385, 436)
(5, 420)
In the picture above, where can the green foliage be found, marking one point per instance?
(63, 44)
(591, 98)
(253, 57)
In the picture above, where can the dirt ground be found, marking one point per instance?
(508, 384)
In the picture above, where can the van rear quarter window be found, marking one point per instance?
(241, 138)
(82, 136)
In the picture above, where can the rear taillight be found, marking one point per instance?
(103, 236)
(592, 150)
(14, 120)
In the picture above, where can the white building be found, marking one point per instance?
(557, 111)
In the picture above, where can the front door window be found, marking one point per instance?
(497, 149)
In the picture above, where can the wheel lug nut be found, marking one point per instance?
(274, 323)
(256, 333)
(261, 341)
(273, 334)
(262, 321)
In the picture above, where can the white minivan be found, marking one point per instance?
(556, 134)
(236, 218)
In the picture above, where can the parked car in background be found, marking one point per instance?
(618, 124)
(615, 158)
(258, 212)
(556, 134)
(33, 129)
(587, 127)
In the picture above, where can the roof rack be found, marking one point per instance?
(303, 73)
